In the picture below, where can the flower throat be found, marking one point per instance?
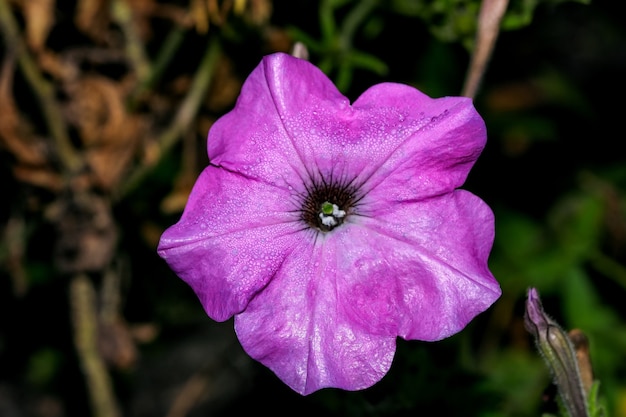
(327, 204)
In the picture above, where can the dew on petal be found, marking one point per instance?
(320, 297)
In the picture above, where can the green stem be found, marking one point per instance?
(165, 56)
(609, 267)
(353, 20)
(85, 321)
(184, 117)
(68, 156)
(123, 15)
(327, 20)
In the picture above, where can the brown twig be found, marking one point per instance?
(12, 252)
(489, 18)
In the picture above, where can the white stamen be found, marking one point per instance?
(328, 220)
(338, 213)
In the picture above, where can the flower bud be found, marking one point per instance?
(556, 348)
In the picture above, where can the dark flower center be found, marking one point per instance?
(328, 204)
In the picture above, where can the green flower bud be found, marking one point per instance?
(556, 348)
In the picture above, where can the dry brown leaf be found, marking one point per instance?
(86, 232)
(258, 11)
(218, 14)
(116, 344)
(92, 17)
(144, 332)
(39, 16)
(144, 11)
(96, 108)
(17, 137)
(515, 96)
(277, 39)
(43, 177)
(110, 163)
(175, 201)
(200, 14)
(147, 9)
(110, 135)
(60, 69)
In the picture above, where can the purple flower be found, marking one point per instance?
(329, 229)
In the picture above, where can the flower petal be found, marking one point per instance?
(419, 270)
(330, 316)
(254, 137)
(437, 143)
(296, 328)
(231, 239)
(291, 124)
(410, 260)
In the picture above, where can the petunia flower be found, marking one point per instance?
(329, 229)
